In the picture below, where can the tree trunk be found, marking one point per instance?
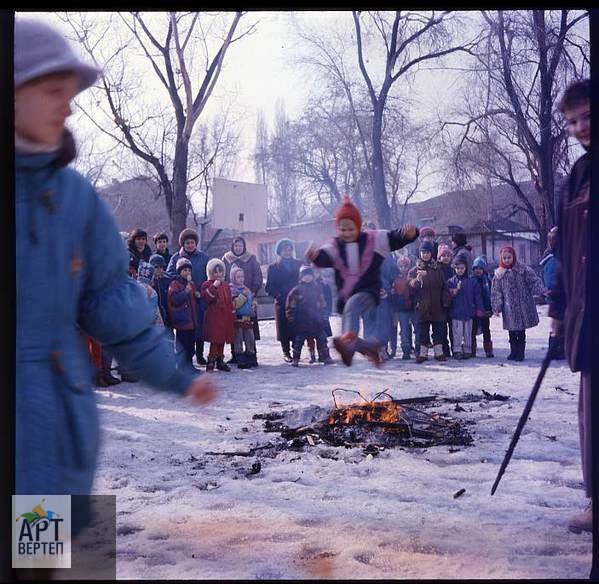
(378, 170)
(179, 208)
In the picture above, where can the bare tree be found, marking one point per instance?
(511, 131)
(184, 51)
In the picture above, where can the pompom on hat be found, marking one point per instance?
(347, 210)
(41, 50)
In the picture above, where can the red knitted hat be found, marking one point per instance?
(347, 210)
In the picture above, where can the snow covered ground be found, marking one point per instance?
(329, 512)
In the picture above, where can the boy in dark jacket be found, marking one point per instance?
(305, 309)
(444, 258)
(481, 322)
(328, 297)
(182, 308)
(357, 257)
(160, 283)
(465, 305)
(161, 243)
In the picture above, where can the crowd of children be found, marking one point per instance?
(442, 301)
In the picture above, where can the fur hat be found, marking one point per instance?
(160, 235)
(145, 272)
(234, 271)
(212, 264)
(183, 263)
(480, 262)
(41, 50)
(157, 260)
(347, 210)
(459, 238)
(427, 231)
(281, 243)
(188, 234)
(426, 246)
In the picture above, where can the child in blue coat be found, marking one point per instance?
(481, 322)
(466, 303)
(71, 270)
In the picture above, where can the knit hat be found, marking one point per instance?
(426, 246)
(238, 238)
(234, 271)
(480, 262)
(427, 231)
(459, 238)
(41, 50)
(145, 272)
(188, 234)
(507, 248)
(443, 249)
(211, 265)
(459, 261)
(347, 210)
(306, 271)
(281, 243)
(157, 260)
(160, 235)
(183, 263)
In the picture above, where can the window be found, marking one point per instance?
(266, 252)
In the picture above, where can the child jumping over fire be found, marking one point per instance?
(357, 257)
(305, 308)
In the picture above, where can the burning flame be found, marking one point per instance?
(386, 412)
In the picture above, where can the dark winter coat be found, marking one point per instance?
(549, 265)
(161, 286)
(468, 299)
(373, 247)
(144, 255)
(281, 277)
(167, 255)
(569, 298)
(512, 292)
(220, 317)
(305, 309)
(432, 296)
(484, 283)
(447, 270)
(182, 305)
(71, 272)
(198, 261)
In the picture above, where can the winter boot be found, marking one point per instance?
(312, 356)
(513, 351)
(101, 380)
(110, 379)
(439, 355)
(251, 359)
(422, 354)
(287, 356)
(210, 365)
(556, 346)
(295, 362)
(371, 350)
(242, 361)
(345, 345)
(406, 357)
(458, 355)
(519, 354)
(200, 360)
(488, 347)
(221, 365)
(582, 521)
(324, 356)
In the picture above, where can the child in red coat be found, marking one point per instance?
(219, 318)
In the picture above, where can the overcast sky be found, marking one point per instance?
(260, 70)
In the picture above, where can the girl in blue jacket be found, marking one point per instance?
(71, 274)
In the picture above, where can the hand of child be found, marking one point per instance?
(202, 390)
(216, 283)
(420, 274)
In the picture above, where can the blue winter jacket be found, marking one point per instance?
(468, 300)
(549, 264)
(71, 272)
(484, 283)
